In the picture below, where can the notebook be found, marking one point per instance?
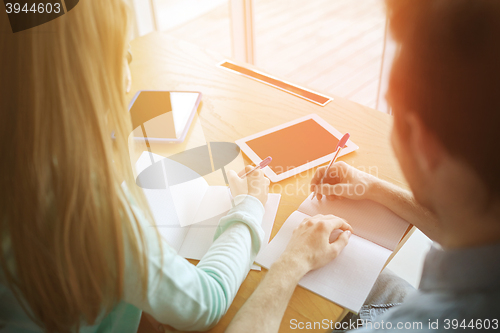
(187, 214)
(348, 279)
(193, 241)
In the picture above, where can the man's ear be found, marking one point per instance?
(427, 148)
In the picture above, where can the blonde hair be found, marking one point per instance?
(63, 213)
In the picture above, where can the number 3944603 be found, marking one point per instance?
(40, 8)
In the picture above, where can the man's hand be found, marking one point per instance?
(316, 241)
(309, 248)
(342, 181)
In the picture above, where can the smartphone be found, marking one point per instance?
(163, 116)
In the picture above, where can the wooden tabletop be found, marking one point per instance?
(234, 107)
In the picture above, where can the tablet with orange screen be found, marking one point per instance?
(296, 146)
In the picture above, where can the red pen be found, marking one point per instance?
(340, 145)
(261, 165)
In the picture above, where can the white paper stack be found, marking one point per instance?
(187, 214)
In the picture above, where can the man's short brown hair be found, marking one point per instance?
(448, 71)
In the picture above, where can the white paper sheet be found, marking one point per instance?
(166, 220)
(187, 198)
(201, 235)
(144, 160)
(193, 201)
(271, 208)
(347, 280)
(216, 201)
(194, 241)
(187, 214)
(369, 219)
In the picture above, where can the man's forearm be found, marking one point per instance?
(402, 203)
(264, 310)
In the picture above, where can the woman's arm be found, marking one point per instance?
(190, 297)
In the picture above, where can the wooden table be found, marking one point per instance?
(234, 107)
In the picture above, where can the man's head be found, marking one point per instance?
(445, 93)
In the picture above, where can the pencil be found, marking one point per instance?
(340, 145)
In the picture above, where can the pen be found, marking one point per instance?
(340, 145)
(261, 165)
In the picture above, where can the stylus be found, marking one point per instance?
(261, 165)
(340, 145)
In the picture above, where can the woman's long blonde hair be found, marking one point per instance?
(63, 213)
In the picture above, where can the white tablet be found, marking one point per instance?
(296, 146)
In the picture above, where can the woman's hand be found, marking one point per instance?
(255, 184)
(342, 181)
(315, 242)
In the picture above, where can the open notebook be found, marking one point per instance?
(187, 214)
(348, 279)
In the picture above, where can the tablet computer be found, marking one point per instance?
(163, 116)
(296, 146)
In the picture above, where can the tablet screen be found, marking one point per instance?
(294, 145)
(163, 115)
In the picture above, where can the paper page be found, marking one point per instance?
(187, 198)
(166, 220)
(369, 219)
(145, 160)
(272, 205)
(216, 201)
(200, 236)
(347, 280)
(147, 175)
